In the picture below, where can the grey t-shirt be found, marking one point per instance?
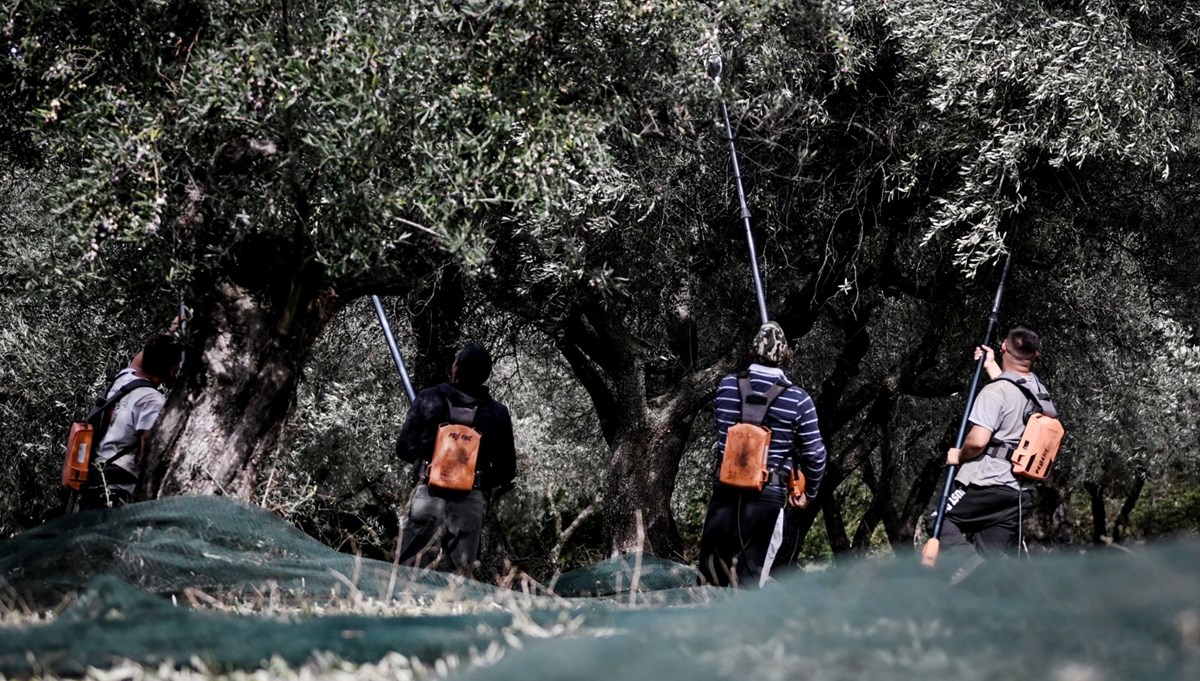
(133, 413)
(1001, 408)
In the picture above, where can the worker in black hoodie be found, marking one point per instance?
(447, 426)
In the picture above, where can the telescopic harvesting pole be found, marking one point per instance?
(714, 72)
(183, 326)
(395, 350)
(929, 553)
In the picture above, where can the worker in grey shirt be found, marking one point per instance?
(988, 503)
(113, 477)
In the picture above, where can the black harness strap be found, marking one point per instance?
(463, 416)
(1037, 400)
(103, 405)
(780, 477)
(755, 406)
(103, 409)
(461, 406)
(1003, 450)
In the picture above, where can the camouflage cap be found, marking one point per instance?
(770, 345)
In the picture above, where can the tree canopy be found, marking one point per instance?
(552, 175)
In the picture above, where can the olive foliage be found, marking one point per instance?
(562, 163)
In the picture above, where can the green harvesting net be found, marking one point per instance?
(202, 544)
(631, 572)
(132, 576)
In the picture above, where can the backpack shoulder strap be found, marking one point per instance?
(1020, 384)
(776, 390)
(1037, 400)
(755, 406)
(104, 404)
(99, 415)
(130, 387)
(463, 415)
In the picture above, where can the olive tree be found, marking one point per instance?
(277, 162)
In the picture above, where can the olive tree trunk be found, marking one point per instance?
(646, 436)
(240, 386)
(643, 467)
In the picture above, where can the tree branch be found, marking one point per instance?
(597, 388)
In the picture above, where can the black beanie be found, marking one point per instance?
(474, 365)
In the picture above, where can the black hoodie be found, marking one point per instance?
(497, 462)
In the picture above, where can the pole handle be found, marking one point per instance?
(929, 553)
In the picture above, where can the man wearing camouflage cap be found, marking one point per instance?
(744, 527)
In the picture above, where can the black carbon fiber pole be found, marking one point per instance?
(714, 72)
(395, 350)
(930, 552)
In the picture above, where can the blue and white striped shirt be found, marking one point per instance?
(792, 419)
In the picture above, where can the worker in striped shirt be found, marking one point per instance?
(744, 526)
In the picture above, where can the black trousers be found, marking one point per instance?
(737, 533)
(115, 487)
(442, 530)
(983, 520)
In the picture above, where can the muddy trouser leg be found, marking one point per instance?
(421, 530)
(464, 527)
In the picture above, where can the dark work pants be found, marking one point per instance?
(737, 532)
(442, 530)
(109, 489)
(983, 520)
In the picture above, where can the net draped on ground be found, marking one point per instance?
(130, 574)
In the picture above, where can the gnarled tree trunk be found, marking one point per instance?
(239, 388)
(643, 467)
(1121, 524)
(646, 436)
(1095, 492)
